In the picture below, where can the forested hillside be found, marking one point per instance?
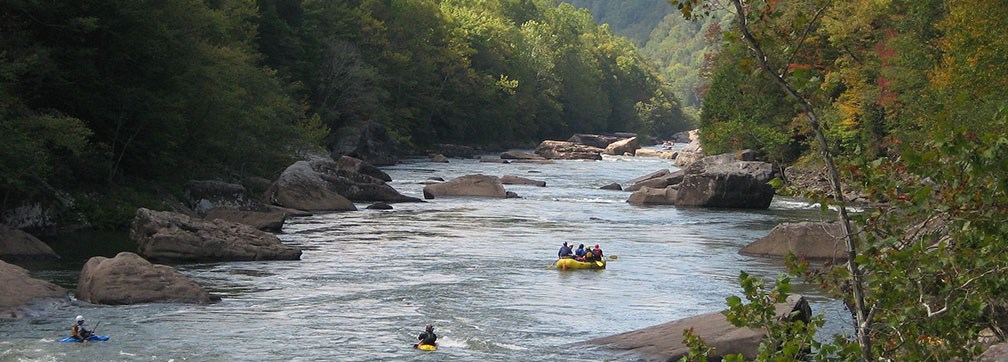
(675, 46)
(103, 93)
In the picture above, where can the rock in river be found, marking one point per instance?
(169, 236)
(130, 279)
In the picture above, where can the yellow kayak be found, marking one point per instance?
(427, 347)
(568, 263)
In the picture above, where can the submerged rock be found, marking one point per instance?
(130, 279)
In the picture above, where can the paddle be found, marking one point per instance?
(612, 257)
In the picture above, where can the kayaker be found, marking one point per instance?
(598, 252)
(579, 253)
(78, 331)
(565, 251)
(427, 337)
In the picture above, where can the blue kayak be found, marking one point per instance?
(90, 338)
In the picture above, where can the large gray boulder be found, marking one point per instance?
(18, 245)
(724, 181)
(203, 195)
(560, 150)
(518, 180)
(18, 288)
(169, 236)
(337, 184)
(469, 185)
(663, 342)
(272, 221)
(627, 146)
(130, 279)
(806, 240)
(370, 142)
(302, 187)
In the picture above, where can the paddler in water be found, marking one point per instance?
(78, 331)
(427, 337)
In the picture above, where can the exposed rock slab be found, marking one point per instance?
(169, 236)
(130, 279)
(301, 187)
(807, 240)
(627, 146)
(18, 288)
(469, 185)
(19, 245)
(520, 155)
(654, 196)
(663, 342)
(357, 165)
(518, 180)
(660, 181)
(272, 221)
(568, 151)
(593, 140)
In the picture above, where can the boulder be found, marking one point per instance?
(723, 181)
(995, 353)
(437, 157)
(18, 288)
(517, 180)
(130, 279)
(18, 245)
(511, 195)
(627, 146)
(653, 196)
(593, 140)
(659, 182)
(806, 240)
(613, 186)
(347, 163)
(370, 142)
(664, 154)
(520, 155)
(203, 195)
(568, 151)
(690, 153)
(663, 342)
(272, 221)
(379, 206)
(469, 185)
(301, 187)
(169, 236)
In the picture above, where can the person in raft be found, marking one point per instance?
(78, 331)
(598, 252)
(427, 337)
(579, 254)
(565, 251)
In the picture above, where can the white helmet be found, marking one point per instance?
(80, 318)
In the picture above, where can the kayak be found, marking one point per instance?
(90, 338)
(426, 347)
(568, 263)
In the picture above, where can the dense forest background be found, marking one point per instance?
(101, 94)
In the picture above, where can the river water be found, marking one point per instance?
(475, 268)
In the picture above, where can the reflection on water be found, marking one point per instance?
(475, 268)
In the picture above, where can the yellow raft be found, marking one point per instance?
(568, 263)
(427, 347)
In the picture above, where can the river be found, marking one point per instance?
(477, 269)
